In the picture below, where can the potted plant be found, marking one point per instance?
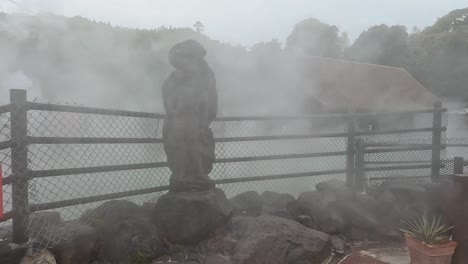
(428, 241)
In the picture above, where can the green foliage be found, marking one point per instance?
(440, 55)
(385, 45)
(427, 231)
(437, 56)
(454, 21)
(105, 66)
(199, 27)
(313, 37)
(91, 218)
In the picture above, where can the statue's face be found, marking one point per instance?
(180, 62)
(184, 62)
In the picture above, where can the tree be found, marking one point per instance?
(266, 49)
(199, 27)
(441, 61)
(266, 56)
(456, 20)
(384, 45)
(313, 37)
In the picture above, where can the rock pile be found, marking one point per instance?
(263, 228)
(335, 209)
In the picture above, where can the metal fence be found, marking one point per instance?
(69, 158)
(408, 161)
(414, 154)
(457, 149)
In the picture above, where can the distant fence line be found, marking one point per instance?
(360, 148)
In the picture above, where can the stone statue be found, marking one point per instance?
(193, 208)
(190, 100)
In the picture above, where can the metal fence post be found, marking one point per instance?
(359, 166)
(19, 164)
(350, 156)
(436, 141)
(458, 164)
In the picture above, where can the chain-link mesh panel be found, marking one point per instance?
(72, 189)
(291, 186)
(266, 148)
(64, 124)
(403, 157)
(456, 147)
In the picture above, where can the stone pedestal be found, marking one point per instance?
(190, 217)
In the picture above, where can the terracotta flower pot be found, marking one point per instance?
(430, 254)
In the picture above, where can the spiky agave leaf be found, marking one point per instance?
(425, 230)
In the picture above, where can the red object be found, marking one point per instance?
(430, 254)
(1, 193)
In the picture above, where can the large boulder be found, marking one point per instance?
(437, 197)
(11, 253)
(361, 223)
(124, 230)
(72, 242)
(338, 245)
(44, 219)
(275, 240)
(40, 257)
(321, 208)
(358, 214)
(388, 211)
(247, 204)
(398, 201)
(337, 210)
(406, 194)
(188, 218)
(306, 221)
(6, 231)
(79, 246)
(366, 220)
(337, 187)
(278, 204)
(42, 229)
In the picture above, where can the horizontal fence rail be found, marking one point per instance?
(97, 198)
(400, 149)
(5, 108)
(91, 140)
(91, 110)
(397, 178)
(88, 170)
(402, 167)
(5, 144)
(457, 145)
(103, 111)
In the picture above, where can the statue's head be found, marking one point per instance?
(187, 55)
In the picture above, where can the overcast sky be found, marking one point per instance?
(247, 21)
